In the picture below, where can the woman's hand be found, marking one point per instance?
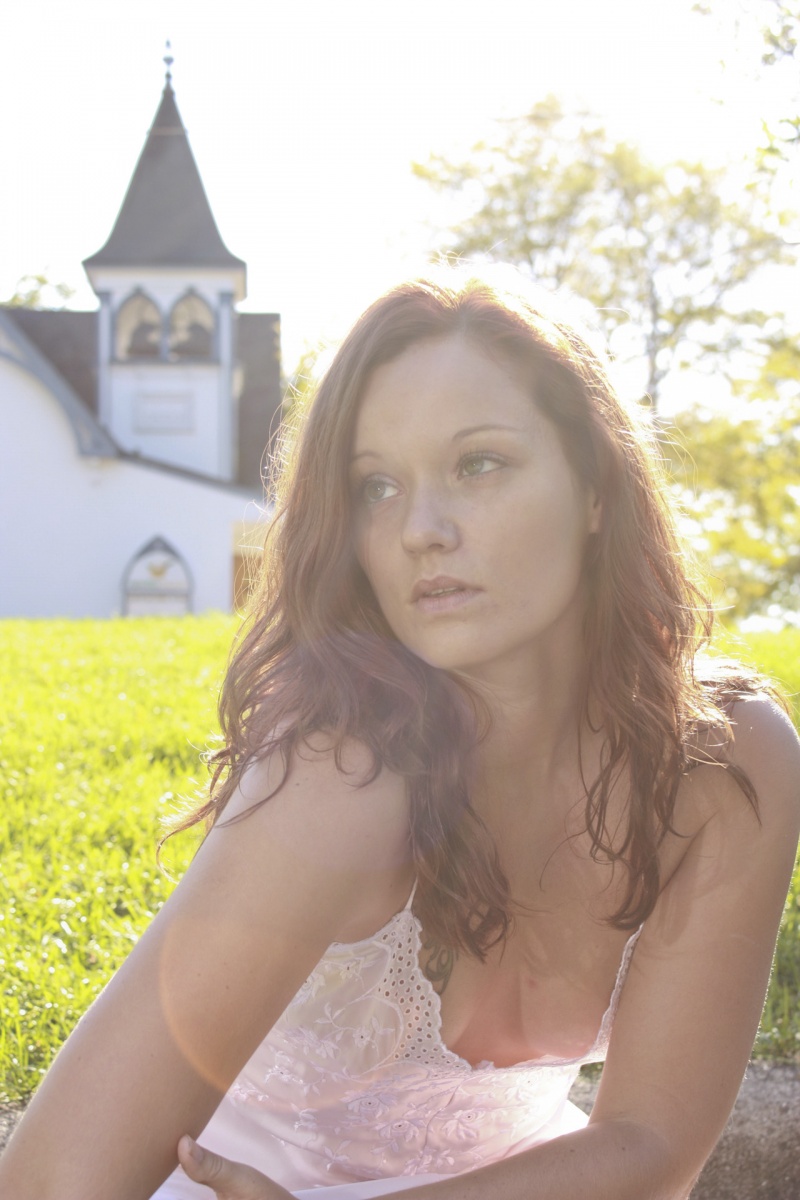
(229, 1180)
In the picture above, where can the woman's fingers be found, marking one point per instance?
(230, 1180)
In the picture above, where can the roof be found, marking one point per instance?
(258, 350)
(68, 340)
(165, 218)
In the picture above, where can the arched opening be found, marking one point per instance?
(191, 329)
(138, 329)
(156, 582)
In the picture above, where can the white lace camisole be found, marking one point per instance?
(354, 1083)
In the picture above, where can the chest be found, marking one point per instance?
(543, 996)
(545, 991)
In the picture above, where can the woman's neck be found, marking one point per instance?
(536, 727)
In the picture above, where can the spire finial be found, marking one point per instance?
(168, 61)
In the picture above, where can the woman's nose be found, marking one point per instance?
(429, 523)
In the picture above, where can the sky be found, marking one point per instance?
(305, 117)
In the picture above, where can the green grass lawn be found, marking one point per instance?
(101, 728)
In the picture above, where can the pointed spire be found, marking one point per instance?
(165, 218)
(168, 61)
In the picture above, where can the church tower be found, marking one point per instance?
(167, 386)
(150, 419)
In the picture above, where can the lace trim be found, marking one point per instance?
(419, 1000)
(606, 1024)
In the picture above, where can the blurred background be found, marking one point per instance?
(640, 155)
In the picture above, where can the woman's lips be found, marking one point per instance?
(442, 595)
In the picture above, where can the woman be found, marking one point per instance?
(470, 683)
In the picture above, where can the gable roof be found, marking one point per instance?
(165, 218)
(68, 340)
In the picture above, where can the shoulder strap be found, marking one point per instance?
(410, 900)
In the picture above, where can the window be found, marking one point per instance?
(191, 329)
(138, 329)
(156, 582)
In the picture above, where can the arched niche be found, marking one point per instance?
(138, 329)
(157, 582)
(191, 329)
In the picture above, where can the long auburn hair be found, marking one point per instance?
(316, 655)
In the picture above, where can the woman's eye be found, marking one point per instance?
(478, 464)
(374, 490)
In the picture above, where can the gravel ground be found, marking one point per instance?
(758, 1156)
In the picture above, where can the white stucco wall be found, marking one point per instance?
(69, 525)
(192, 403)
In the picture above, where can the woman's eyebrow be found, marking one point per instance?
(492, 425)
(457, 437)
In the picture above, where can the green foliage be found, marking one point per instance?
(781, 31)
(302, 382)
(779, 22)
(101, 726)
(662, 252)
(740, 483)
(39, 291)
(779, 1033)
(781, 39)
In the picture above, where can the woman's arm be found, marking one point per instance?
(567, 1167)
(323, 860)
(690, 1007)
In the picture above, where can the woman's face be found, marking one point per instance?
(471, 527)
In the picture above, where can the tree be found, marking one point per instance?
(742, 478)
(781, 31)
(664, 254)
(780, 36)
(740, 483)
(38, 291)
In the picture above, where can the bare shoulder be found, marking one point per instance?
(338, 804)
(763, 747)
(763, 736)
(766, 748)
